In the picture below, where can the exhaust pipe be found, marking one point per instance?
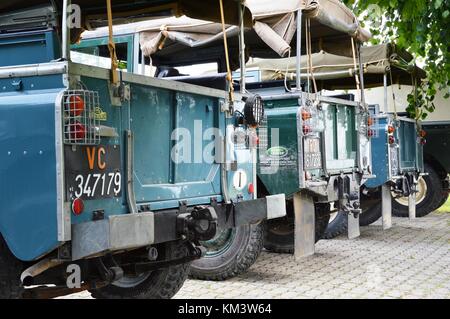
(27, 277)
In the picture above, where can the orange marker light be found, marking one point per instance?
(370, 121)
(422, 133)
(306, 115)
(391, 129)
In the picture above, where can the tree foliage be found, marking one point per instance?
(423, 28)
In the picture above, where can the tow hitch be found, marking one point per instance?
(198, 225)
(194, 252)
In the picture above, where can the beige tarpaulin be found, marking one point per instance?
(336, 71)
(126, 11)
(274, 23)
(329, 17)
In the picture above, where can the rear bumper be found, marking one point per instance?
(130, 231)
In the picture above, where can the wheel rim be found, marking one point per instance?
(420, 195)
(131, 281)
(219, 244)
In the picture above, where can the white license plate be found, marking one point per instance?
(313, 155)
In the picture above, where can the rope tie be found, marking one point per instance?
(112, 45)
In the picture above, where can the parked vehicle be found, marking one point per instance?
(97, 193)
(177, 43)
(433, 187)
(397, 142)
(323, 153)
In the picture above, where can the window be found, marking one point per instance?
(99, 56)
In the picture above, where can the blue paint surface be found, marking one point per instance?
(28, 172)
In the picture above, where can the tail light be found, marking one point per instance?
(391, 139)
(370, 133)
(77, 206)
(80, 119)
(76, 105)
(308, 176)
(77, 131)
(423, 141)
(251, 188)
(422, 133)
(307, 116)
(306, 129)
(391, 129)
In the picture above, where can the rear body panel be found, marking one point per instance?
(391, 161)
(153, 114)
(336, 145)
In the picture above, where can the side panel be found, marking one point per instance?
(172, 144)
(438, 137)
(380, 155)
(28, 217)
(278, 162)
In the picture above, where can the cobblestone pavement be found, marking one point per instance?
(411, 260)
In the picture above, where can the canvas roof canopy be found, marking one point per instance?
(126, 11)
(334, 72)
(272, 36)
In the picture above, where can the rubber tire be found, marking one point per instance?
(10, 271)
(238, 258)
(432, 200)
(284, 244)
(161, 284)
(371, 212)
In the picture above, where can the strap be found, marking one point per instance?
(358, 83)
(227, 58)
(112, 45)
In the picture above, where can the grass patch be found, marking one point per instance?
(444, 209)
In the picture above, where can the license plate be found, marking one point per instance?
(93, 172)
(395, 167)
(313, 155)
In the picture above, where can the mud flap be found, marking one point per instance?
(304, 242)
(386, 206)
(353, 226)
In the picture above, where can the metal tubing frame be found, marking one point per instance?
(385, 86)
(299, 51)
(65, 31)
(241, 8)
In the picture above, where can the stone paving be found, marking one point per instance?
(411, 260)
